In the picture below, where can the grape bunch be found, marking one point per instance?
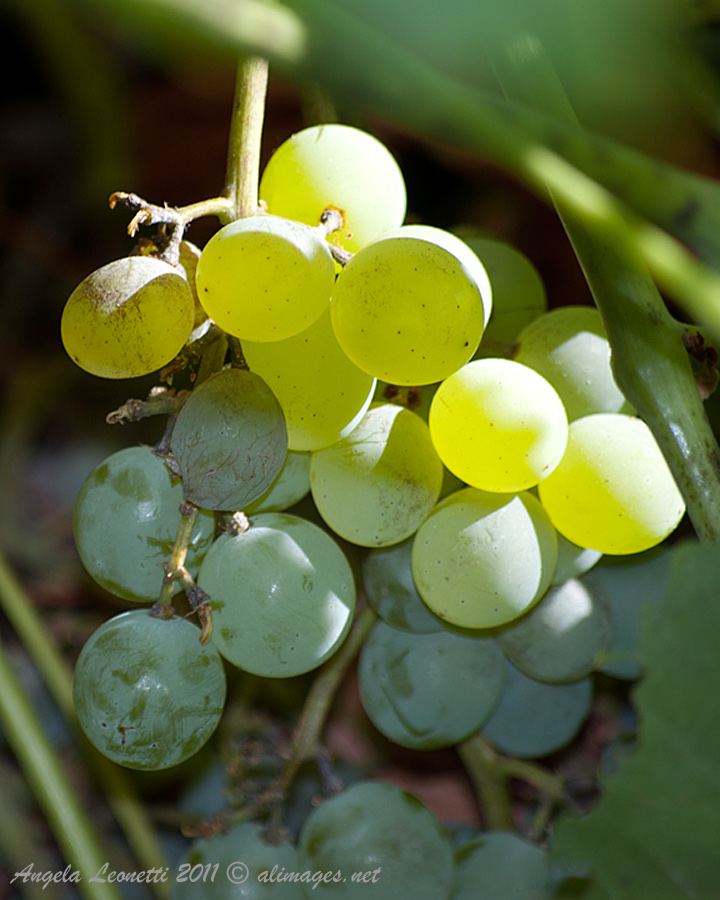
(411, 383)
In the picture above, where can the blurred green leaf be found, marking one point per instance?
(653, 835)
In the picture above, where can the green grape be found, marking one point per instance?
(459, 249)
(264, 278)
(426, 691)
(632, 585)
(383, 831)
(613, 491)
(336, 167)
(323, 394)
(501, 866)
(481, 560)
(129, 318)
(291, 485)
(517, 289)
(417, 400)
(229, 442)
(126, 520)
(564, 637)
(569, 348)
(282, 596)
(535, 718)
(375, 486)
(147, 693)
(573, 561)
(407, 311)
(498, 425)
(208, 868)
(391, 591)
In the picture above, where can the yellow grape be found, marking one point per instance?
(322, 393)
(336, 167)
(613, 491)
(128, 318)
(265, 278)
(498, 425)
(407, 311)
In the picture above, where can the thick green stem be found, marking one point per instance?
(127, 809)
(649, 358)
(74, 833)
(243, 163)
(399, 84)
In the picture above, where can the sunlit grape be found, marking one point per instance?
(129, 318)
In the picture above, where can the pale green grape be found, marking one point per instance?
(391, 591)
(459, 249)
(147, 693)
(569, 347)
(229, 442)
(208, 863)
(535, 718)
(517, 288)
(336, 167)
(418, 400)
(129, 318)
(375, 486)
(498, 425)
(613, 491)
(323, 394)
(407, 311)
(282, 596)
(291, 485)
(632, 585)
(573, 561)
(189, 258)
(482, 559)
(501, 866)
(564, 637)
(426, 691)
(377, 829)
(264, 278)
(126, 519)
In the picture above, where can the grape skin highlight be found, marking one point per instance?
(264, 278)
(613, 491)
(128, 318)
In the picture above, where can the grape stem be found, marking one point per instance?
(160, 402)
(175, 218)
(175, 567)
(490, 773)
(649, 358)
(305, 743)
(242, 175)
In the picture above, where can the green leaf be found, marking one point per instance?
(654, 833)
